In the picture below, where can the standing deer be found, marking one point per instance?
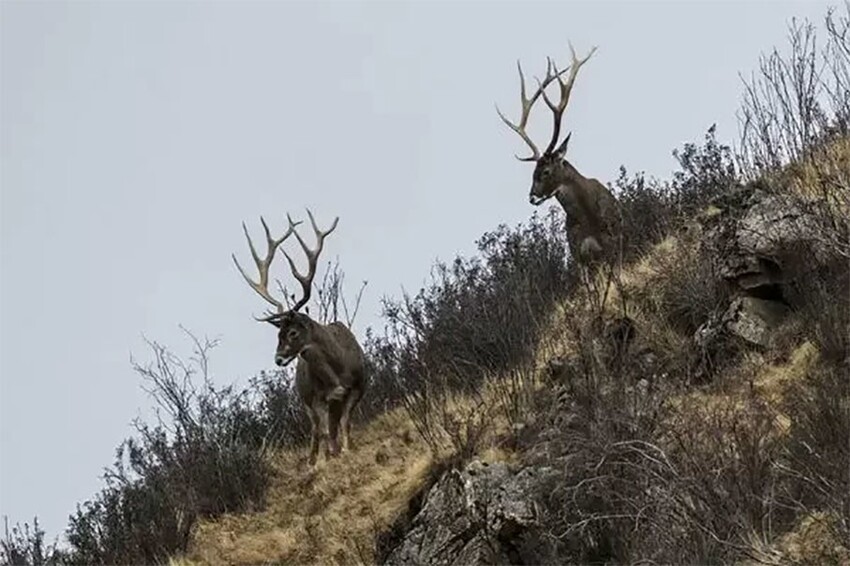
(330, 376)
(590, 207)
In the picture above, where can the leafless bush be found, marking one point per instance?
(645, 478)
(204, 456)
(652, 209)
(646, 211)
(819, 292)
(795, 126)
(679, 292)
(25, 546)
(797, 102)
(330, 297)
(478, 319)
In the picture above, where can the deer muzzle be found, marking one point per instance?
(282, 361)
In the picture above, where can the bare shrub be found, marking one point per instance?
(25, 546)
(676, 293)
(203, 457)
(795, 125)
(652, 209)
(796, 103)
(648, 473)
(795, 133)
(646, 212)
(478, 318)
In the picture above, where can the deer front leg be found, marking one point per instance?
(314, 435)
(328, 444)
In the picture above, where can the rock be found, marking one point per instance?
(754, 234)
(748, 243)
(771, 223)
(754, 319)
(472, 516)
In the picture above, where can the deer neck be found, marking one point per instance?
(572, 192)
(321, 345)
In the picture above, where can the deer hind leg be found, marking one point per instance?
(345, 419)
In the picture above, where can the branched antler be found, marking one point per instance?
(262, 286)
(552, 73)
(566, 90)
(306, 280)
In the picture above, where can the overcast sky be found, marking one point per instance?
(136, 136)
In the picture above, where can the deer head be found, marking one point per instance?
(552, 171)
(294, 328)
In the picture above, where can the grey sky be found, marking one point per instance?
(136, 136)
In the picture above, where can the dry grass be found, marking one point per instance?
(332, 515)
(813, 541)
(327, 516)
(753, 377)
(829, 163)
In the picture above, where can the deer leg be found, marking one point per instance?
(334, 411)
(321, 409)
(345, 419)
(314, 435)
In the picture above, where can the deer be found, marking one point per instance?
(590, 207)
(592, 212)
(330, 375)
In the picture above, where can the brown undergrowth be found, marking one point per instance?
(335, 513)
(329, 515)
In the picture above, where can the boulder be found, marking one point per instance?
(748, 243)
(754, 319)
(477, 515)
(752, 236)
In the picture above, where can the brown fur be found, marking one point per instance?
(330, 376)
(590, 207)
(327, 354)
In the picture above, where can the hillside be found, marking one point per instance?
(339, 513)
(683, 400)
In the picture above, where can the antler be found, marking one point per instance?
(527, 103)
(312, 259)
(566, 90)
(262, 286)
(552, 73)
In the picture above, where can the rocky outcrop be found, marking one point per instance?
(477, 515)
(749, 239)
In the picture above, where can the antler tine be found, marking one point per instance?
(566, 90)
(306, 280)
(527, 103)
(262, 286)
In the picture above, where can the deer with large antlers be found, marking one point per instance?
(590, 207)
(330, 375)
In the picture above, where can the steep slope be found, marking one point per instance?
(338, 513)
(329, 515)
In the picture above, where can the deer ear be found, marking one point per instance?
(562, 149)
(277, 323)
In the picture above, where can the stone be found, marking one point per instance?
(754, 319)
(472, 516)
